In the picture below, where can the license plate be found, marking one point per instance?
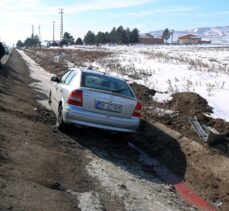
(109, 106)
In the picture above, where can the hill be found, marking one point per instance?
(218, 34)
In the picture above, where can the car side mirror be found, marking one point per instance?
(55, 79)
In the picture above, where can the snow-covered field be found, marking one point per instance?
(171, 69)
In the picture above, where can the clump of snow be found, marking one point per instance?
(162, 112)
(162, 97)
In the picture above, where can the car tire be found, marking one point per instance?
(59, 120)
(50, 101)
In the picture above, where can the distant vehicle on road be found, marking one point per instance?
(6, 49)
(96, 99)
(2, 53)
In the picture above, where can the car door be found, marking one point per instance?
(66, 88)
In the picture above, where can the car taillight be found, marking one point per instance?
(137, 110)
(76, 98)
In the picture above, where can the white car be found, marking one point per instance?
(96, 99)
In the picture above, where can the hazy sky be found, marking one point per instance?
(18, 16)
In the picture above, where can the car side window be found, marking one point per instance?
(63, 78)
(70, 77)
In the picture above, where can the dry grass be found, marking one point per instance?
(56, 60)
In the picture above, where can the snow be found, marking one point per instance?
(162, 97)
(172, 69)
(41, 76)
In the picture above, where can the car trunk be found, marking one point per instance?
(108, 103)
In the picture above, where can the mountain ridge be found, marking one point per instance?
(217, 34)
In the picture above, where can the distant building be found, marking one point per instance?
(149, 39)
(191, 39)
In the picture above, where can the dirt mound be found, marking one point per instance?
(185, 104)
(143, 93)
(189, 103)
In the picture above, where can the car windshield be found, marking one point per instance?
(106, 83)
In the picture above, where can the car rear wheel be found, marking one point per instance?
(59, 121)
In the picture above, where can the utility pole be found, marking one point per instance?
(61, 11)
(32, 31)
(53, 30)
(39, 30)
(172, 32)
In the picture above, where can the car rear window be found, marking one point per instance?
(106, 83)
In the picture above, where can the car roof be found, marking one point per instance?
(86, 70)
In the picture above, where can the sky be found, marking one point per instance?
(80, 16)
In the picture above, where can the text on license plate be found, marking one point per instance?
(109, 106)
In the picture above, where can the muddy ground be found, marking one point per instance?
(41, 166)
